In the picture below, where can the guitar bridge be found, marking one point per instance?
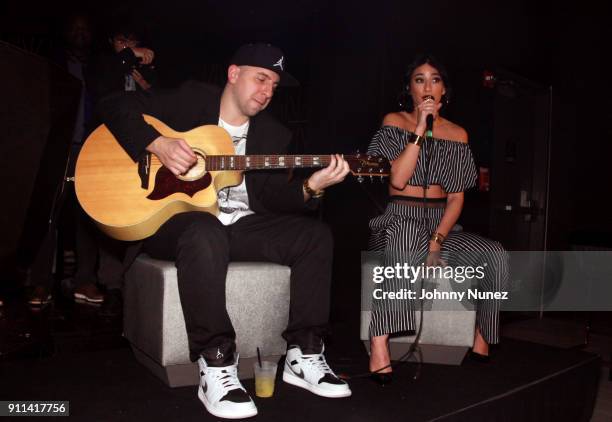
(144, 168)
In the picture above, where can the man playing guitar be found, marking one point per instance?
(258, 221)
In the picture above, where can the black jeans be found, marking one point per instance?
(99, 257)
(202, 248)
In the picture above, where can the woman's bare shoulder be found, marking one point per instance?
(397, 119)
(454, 132)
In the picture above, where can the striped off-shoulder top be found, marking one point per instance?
(447, 163)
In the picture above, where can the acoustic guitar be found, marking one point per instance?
(130, 200)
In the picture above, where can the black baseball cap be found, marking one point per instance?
(266, 56)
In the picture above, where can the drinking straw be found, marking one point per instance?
(259, 357)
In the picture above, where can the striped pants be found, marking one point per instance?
(403, 234)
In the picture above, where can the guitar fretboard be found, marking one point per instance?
(252, 162)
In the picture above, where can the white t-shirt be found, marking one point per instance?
(233, 201)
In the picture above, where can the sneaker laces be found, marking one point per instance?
(227, 376)
(318, 363)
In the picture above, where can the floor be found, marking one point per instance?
(570, 331)
(71, 330)
(92, 368)
(65, 328)
(603, 405)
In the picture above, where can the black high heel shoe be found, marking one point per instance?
(477, 357)
(382, 379)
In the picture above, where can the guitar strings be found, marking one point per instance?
(367, 166)
(222, 162)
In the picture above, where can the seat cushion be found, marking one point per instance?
(257, 296)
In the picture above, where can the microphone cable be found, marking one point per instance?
(414, 346)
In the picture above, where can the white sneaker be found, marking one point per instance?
(312, 373)
(222, 393)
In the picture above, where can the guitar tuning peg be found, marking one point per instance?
(360, 179)
(371, 178)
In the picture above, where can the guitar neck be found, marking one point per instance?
(258, 162)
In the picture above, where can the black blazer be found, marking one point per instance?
(195, 104)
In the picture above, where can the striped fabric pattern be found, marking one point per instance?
(403, 233)
(449, 164)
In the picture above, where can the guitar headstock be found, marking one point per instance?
(364, 165)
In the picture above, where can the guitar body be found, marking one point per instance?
(130, 201)
(109, 187)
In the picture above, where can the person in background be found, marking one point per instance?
(74, 55)
(126, 66)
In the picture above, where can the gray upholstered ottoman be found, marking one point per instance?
(448, 328)
(257, 302)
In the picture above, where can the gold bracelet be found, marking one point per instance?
(311, 192)
(416, 139)
(438, 238)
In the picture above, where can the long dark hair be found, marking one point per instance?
(404, 99)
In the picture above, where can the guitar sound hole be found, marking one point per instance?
(197, 171)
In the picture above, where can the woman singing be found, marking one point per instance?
(429, 175)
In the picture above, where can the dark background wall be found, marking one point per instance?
(350, 58)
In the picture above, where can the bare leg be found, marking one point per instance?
(379, 354)
(480, 345)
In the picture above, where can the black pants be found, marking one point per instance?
(99, 257)
(202, 248)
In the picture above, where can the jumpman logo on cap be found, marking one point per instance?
(279, 63)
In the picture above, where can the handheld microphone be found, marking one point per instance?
(429, 131)
(430, 119)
